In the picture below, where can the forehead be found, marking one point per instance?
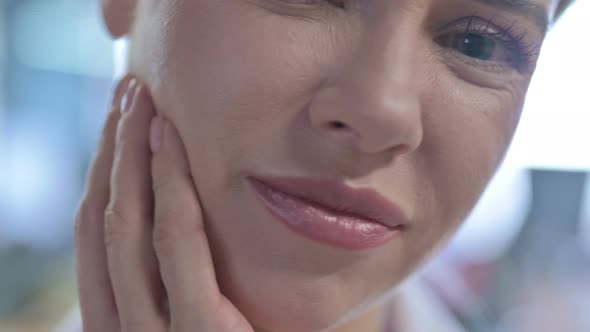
(540, 12)
(548, 6)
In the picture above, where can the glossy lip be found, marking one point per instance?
(333, 195)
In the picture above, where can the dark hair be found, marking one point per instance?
(563, 4)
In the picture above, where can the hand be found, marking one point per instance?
(143, 258)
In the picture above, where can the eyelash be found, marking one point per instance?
(522, 54)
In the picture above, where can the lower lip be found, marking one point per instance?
(323, 225)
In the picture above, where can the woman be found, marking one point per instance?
(304, 156)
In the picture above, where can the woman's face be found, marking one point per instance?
(426, 95)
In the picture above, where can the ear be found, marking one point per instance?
(118, 16)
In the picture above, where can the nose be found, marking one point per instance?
(372, 100)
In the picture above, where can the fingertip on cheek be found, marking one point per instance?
(142, 99)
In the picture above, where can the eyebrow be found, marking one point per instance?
(526, 8)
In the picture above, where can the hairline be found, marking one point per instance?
(561, 7)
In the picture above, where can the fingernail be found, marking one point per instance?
(156, 133)
(119, 94)
(127, 99)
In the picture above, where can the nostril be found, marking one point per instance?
(342, 128)
(338, 125)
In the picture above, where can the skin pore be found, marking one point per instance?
(417, 99)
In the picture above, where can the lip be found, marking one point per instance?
(331, 212)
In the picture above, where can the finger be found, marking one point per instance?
(180, 239)
(97, 304)
(128, 221)
(181, 244)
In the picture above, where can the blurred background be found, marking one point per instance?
(521, 263)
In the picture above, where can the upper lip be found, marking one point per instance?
(335, 195)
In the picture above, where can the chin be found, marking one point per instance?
(287, 304)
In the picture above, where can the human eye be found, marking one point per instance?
(336, 3)
(482, 43)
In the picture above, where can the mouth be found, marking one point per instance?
(330, 212)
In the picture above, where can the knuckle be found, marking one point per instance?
(166, 230)
(161, 179)
(170, 226)
(84, 219)
(114, 226)
(166, 176)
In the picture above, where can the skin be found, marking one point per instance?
(255, 87)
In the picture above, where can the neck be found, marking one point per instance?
(376, 319)
(370, 321)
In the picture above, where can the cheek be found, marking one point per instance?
(230, 72)
(235, 55)
(229, 76)
(467, 133)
